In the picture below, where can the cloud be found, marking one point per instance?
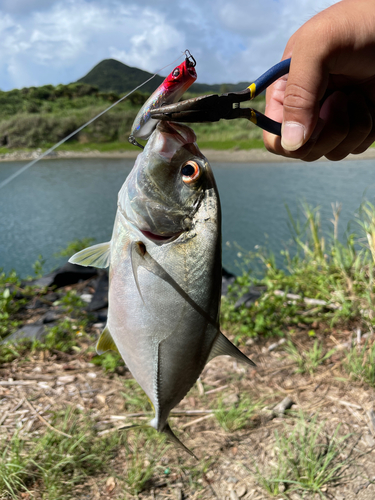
(58, 41)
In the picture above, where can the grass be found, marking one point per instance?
(307, 459)
(359, 362)
(54, 465)
(316, 266)
(236, 416)
(308, 360)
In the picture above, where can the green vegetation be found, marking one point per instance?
(39, 117)
(307, 459)
(339, 277)
(360, 363)
(9, 284)
(236, 416)
(55, 464)
(308, 360)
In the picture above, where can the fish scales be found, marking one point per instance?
(165, 270)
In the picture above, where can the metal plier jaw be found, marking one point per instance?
(214, 107)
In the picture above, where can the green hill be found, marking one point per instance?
(114, 76)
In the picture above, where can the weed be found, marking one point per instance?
(316, 266)
(9, 305)
(109, 361)
(306, 459)
(140, 464)
(135, 398)
(237, 416)
(38, 266)
(360, 363)
(308, 360)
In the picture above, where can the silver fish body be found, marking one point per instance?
(165, 270)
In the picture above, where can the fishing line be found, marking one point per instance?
(26, 167)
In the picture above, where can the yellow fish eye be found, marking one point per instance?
(190, 172)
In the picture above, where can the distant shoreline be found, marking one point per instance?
(222, 156)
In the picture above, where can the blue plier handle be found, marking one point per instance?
(212, 108)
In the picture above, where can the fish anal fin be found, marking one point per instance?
(96, 256)
(106, 342)
(223, 346)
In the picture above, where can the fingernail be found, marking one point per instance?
(292, 135)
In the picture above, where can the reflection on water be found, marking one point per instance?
(57, 201)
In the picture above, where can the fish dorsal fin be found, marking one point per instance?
(223, 346)
(106, 342)
(96, 256)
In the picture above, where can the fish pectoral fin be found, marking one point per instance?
(172, 437)
(223, 346)
(106, 342)
(137, 252)
(96, 256)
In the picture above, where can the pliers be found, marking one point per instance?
(212, 108)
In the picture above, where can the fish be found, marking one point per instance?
(169, 92)
(164, 262)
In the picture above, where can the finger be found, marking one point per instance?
(370, 139)
(334, 113)
(360, 126)
(307, 82)
(274, 110)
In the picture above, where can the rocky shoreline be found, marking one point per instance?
(91, 285)
(222, 156)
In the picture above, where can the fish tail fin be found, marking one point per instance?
(172, 437)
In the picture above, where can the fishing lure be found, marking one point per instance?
(170, 91)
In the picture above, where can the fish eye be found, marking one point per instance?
(176, 72)
(190, 172)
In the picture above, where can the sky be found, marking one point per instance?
(59, 41)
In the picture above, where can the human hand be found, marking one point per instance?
(327, 102)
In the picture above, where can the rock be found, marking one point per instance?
(65, 379)
(100, 398)
(50, 317)
(100, 298)
(36, 304)
(233, 495)
(227, 279)
(34, 331)
(232, 479)
(69, 274)
(101, 316)
(231, 399)
(251, 296)
(86, 297)
(369, 440)
(241, 490)
(51, 297)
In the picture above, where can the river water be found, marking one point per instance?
(57, 201)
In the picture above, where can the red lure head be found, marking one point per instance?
(184, 74)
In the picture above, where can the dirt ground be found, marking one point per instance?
(53, 381)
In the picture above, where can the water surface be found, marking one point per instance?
(57, 201)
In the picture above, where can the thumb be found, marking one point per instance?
(307, 82)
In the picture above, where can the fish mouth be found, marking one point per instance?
(160, 237)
